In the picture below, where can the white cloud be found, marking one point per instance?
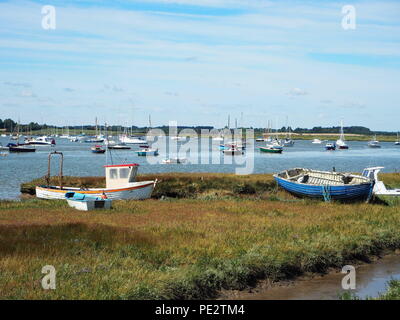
(297, 92)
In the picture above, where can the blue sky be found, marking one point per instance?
(198, 61)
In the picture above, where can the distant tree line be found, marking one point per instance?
(10, 125)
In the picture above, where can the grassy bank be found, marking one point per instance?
(181, 249)
(183, 185)
(199, 185)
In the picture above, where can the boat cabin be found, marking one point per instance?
(120, 175)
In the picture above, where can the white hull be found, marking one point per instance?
(89, 205)
(129, 140)
(134, 191)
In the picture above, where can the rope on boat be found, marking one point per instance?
(326, 193)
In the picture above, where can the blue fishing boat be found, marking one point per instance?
(325, 185)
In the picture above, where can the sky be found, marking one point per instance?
(198, 61)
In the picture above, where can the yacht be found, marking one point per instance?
(374, 143)
(397, 143)
(41, 141)
(341, 142)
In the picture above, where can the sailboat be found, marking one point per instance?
(341, 143)
(374, 143)
(288, 142)
(19, 147)
(397, 143)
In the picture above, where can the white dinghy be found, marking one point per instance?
(84, 202)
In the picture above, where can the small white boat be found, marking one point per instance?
(178, 138)
(120, 184)
(3, 148)
(147, 152)
(118, 146)
(330, 146)
(131, 140)
(316, 141)
(41, 141)
(260, 139)
(397, 143)
(232, 152)
(218, 139)
(379, 187)
(174, 161)
(374, 143)
(287, 142)
(85, 202)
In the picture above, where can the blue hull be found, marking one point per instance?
(346, 192)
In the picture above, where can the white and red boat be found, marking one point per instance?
(120, 184)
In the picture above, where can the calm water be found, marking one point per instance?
(371, 279)
(79, 161)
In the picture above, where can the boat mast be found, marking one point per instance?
(341, 131)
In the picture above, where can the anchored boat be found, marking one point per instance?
(174, 161)
(374, 143)
(147, 152)
(97, 149)
(12, 147)
(270, 149)
(120, 184)
(325, 185)
(330, 146)
(341, 142)
(233, 151)
(316, 141)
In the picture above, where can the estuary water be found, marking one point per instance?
(80, 161)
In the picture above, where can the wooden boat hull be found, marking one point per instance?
(232, 152)
(136, 191)
(147, 153)
(19, 149)
(99, 151)
(343, 192)
(270, 150)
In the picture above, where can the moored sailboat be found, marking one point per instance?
(341, 142)
(374, 143)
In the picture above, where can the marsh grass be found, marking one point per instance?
(181, 249)
(202, 233)
(179, 185)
